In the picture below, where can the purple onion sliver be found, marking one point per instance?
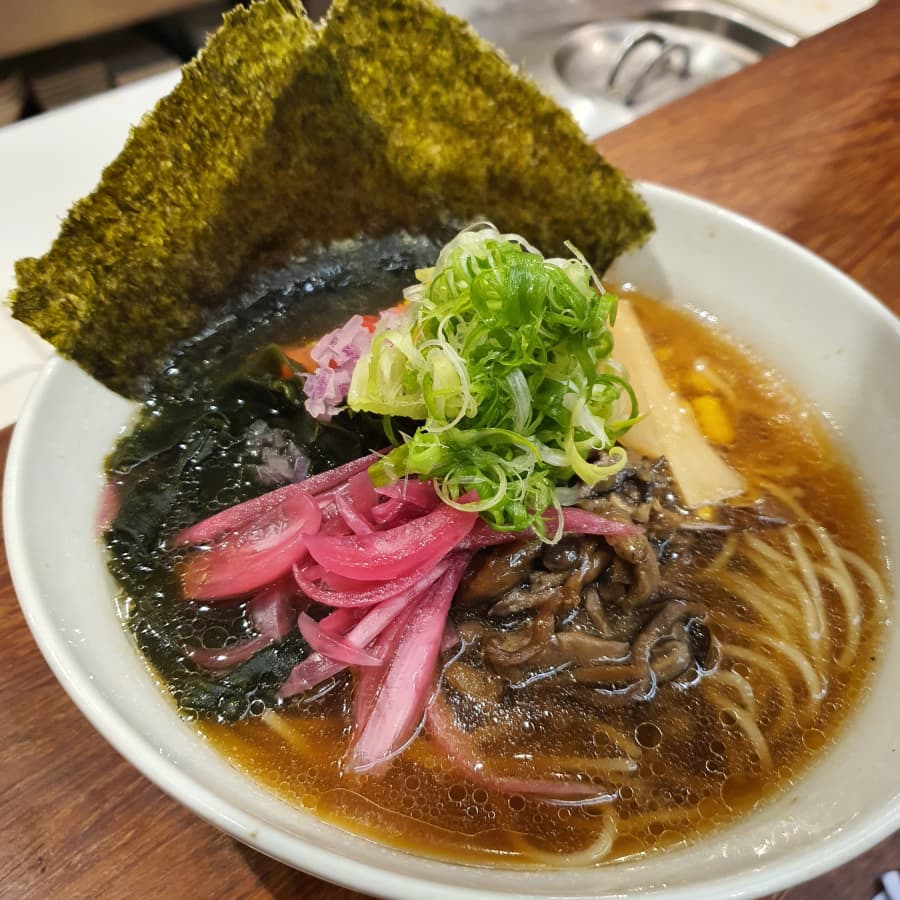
(307, 674)
(228, 657)
(332, 646)
(382, 731)
(412, 491)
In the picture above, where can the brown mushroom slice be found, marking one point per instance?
(561, 556)
(593, 606)
(674, 612)
(497, 571)
(580, 649)
(585, 648)
(654, 648)
(543, 588)
(611, 674)
(671, 658)
(523, 644)
(594, 558)
(636, 550)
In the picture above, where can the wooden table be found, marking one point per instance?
(807, 142)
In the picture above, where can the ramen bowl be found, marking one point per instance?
(834, 342)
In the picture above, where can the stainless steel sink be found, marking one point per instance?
(611, 61)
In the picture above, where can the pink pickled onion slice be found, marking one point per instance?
(357, 522)
(333, 522)
(272, 615)
(362, 491)
(341, 620)
(482, 535)
(580, 521)
(450, 640)
(376, 619)
(412, 491)
(235, 518)
(455, 744)
(398, 515)
(394, 707)
(368, 593)
(575, 521)
(381, 615)
(324, 481)
(307, 674)
(325, 500)
(272, 610)
(396, 552)
(367, 683)
(259, 554)
(355, 502)
(333, 646)
(385, 513)
(108, 507)
(226, 657)
(312, 571)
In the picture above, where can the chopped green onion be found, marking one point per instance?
(506, 364)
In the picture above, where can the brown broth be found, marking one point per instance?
(685, 765)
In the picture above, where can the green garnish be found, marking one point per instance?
(505, 358)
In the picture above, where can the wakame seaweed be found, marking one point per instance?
(195, 449)
(178, 470)
(393, 115)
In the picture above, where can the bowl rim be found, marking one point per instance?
(218, 810)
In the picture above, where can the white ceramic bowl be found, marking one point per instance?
(831, 338)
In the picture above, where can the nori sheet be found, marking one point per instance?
(393, 115)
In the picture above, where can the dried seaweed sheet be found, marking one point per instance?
(393, 115)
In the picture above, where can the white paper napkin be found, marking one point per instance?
(46, 164)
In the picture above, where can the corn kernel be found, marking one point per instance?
(713, 419)
(699, 382)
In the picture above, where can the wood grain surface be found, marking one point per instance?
(807, 142)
